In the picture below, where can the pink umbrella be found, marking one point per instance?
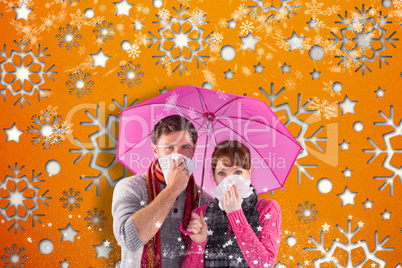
(217, 116)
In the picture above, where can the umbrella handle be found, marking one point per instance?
(184, 231)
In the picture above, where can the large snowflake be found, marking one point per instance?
(49, 127)
(269, 7)
(389, 150)
(103, 146)
(185, 45)
(363, 39)
(22, 198)
(337, 247)
(301, 137)
(22, 73)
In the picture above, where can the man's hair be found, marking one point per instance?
(173, 123)
(236, 153)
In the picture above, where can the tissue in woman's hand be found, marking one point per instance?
(242, 184)
(166, 161)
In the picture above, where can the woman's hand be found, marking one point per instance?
(233, 199)
(199, 227)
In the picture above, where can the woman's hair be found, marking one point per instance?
(236, 153)
(173, 123)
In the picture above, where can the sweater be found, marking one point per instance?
(258, 251)
(130, 195)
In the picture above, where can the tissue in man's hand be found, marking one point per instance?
(166, 161)
(242, 183)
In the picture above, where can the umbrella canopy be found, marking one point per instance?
(217, 116)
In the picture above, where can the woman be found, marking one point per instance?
(247, 232)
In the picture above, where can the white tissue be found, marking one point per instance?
(242, 183)
(166, 161)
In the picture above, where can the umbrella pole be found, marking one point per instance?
(203, 170)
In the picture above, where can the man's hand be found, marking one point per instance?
(199, 227)
(178, 176)
(233, 199)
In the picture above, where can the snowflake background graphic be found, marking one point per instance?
(329, 70)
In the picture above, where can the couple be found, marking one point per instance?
(148, 208)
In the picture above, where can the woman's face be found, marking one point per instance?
(222, 171)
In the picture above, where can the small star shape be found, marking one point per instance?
(210, 232)
(312, 23)
(267, 216)
(285, 68)
(258, 68)
(379, 92)
(68, 233)
(347, 105)
(347, 172)
(237, 221)
(295, 41)
(99, 58)
(29, 240)
(229, 74)
(347, 197)
(344, 145)
(265, 264)
(49, 224)
(182, 246)
(106, 243)
(64, 263)
(286, 232)
(315, 74)
(239, 259)
(255, 262)
(249, 41)
(123, 7)
(102, 250)
(230, 257)
(179, 239)
(350, 217)
(259, 228)
(306, 262)
(70, 216)
(205, 218)
(373, 264)
(368, 204)
(360, 223)
(142, 203)
(138, 25)
(386, 215)
(22, 12)
(2, 221)
(13, 133)
(158, 225)
(232, 23)
(325, 227)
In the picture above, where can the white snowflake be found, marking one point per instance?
(98, 147)
(23, 75)
(79, 83)
(68, 36)
(181, 40)
(14, 255)
(19, 198)
(349, 248)
(192, 113)
(269, 7)
(389, 150)
(104, 31)
(306, 212)
(170, 102)
(95, 219)
(323, 108)
(363, 43)
(246, 27)
(130, 74)
(71, 199)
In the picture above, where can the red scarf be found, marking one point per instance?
(151, 255)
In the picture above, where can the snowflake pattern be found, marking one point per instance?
(268, 7)
(14, 256)
(364, 42)
(68, 36)
(24, 78)
(389, 150)
(293, 118)
(349, 248)
(306, 212)
(130, 74)
(71, 199)
(104, 31)
(182, 40)
(323, 108)
(49, 127)
(19, 198)
(101, 150)
(170, 102)
(79, 83)
(95, 219)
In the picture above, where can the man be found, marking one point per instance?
(147, 211)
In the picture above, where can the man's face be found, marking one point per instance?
(176, 142)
